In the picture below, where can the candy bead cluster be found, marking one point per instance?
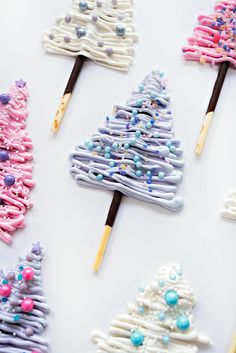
(136, 151)
(15, 160)
(22, 306)
(159, 321)
(214, 38)
(103, 31)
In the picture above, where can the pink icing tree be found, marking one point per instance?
(15, 160)
(214, 41)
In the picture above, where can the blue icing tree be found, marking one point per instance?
(135, 154)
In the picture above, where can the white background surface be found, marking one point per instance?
(69, 219)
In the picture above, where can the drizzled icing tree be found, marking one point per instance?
(23, 307)
(214, 42)
(101, 30)
(136, 153)
(15, 160)
(160, 320)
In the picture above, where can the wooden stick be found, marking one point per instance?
(212, 105)
(232, 348)
(107, 231)
(67, 93)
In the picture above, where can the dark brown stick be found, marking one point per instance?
(115, 204)
(212, 105)
(67, 93)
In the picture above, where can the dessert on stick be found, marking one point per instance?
(15, 160)
(23, 307)
(102, 31)
(214, 42)
(160, 320)
(135, 154)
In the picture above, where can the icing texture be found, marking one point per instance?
(102, 31)
(15, 160)
(159, 321)
(214, 36)
(136, 151)
(23, 307)
(229, 209)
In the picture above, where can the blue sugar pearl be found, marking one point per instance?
(168, 144)
(165, 339)
(4, 281)
(120, 30)
(172, 149)
(90, 145)
(156, 135)
(107, 149)
(107, 155)
(161, 283)
(149, 173)
(137, 338)
(16, 318)
(161, 316)
(4, 98)
(138, 164)
(138, 173)
(112, 164)
(150, 189)
(83, 5)
(139, 102)
(126, 146)
(21, 268)
(136, 158)
(171, 297)
(141, 88)
(19, 277)
(115, 145)
(81, 32)
(134, 111)
(152, 121)
(138, 133)
(4, 300)
(99, 148)
(161, 175)
(9, 180)
(149, 181)
(172, 276)
(183, 323)
(133, 120)
(141, 310)
(133, 141)
(148, 125)
(4, 155)
(99, 177)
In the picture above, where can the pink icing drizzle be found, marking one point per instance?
(214, 38)
(14, 138)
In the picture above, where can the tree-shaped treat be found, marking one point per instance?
(23, 307)
(214, 42)
(101, 30)
(15, 160)
(160, 320)
(135, 154)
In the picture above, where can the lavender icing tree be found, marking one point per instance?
(23, 307)
(160, 320)
(135, 154)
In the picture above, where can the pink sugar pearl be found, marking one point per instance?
(27, 305)
(28, 274)
(5, 290)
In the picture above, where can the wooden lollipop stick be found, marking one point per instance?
(232, 348)
(107, 231)
(212, 105)
(67, 93)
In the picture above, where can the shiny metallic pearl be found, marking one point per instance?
(9, 180)
(83, 5)
(4, 155)
(171, 297)
(137, 338)
(120, 30)
(183, 323)
(81, 32)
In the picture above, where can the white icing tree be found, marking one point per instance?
(23, 306)
(102, 31)
(159, 321)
